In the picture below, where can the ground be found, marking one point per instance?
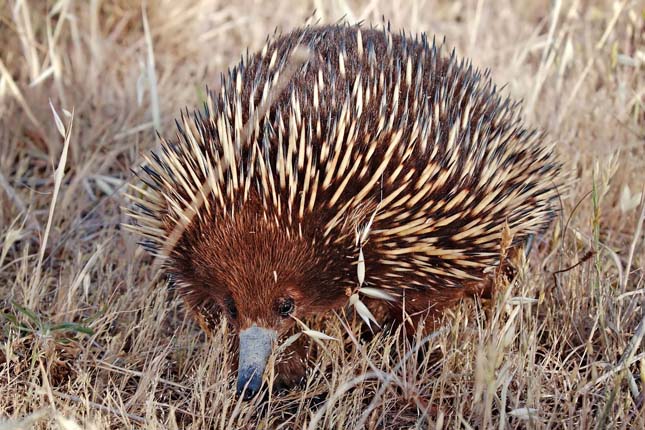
(90, 337)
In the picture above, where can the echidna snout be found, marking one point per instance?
(256, 344)
(375, 143)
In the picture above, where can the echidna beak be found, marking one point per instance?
(256, 344)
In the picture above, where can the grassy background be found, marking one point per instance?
(91, 338)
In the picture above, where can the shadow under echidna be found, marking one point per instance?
(331, 141)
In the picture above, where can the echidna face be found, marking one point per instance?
(259, 275)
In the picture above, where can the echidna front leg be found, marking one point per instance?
(291, 367)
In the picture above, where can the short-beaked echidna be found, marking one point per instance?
(329, 141)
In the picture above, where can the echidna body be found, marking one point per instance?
(329, 141)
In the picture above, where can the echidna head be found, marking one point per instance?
(259, 273)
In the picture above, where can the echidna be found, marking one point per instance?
(328, 140)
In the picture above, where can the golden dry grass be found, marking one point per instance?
(91, 338)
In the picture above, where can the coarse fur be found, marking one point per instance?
(374, 141)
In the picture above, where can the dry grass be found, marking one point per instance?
(90, 337)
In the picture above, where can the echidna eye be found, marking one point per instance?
(230, 307)
(286, 307)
